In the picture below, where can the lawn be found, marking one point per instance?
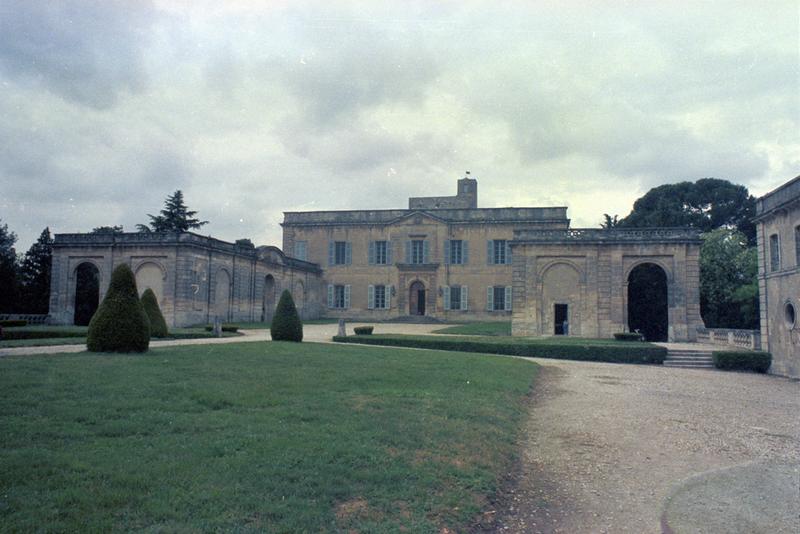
(272, 437)
(497, 328)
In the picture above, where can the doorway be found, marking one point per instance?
(561, 312)
(87, 293)
(648, 306)
(416, 299)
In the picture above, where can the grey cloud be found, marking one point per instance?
(86, 52)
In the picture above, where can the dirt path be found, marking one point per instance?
(606, 445)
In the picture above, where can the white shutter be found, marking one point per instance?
(447, 252)
(489, 298)
(371, 253)
(464, 298)
(408, 251)
(425, 251)
(347, 296)
(464, 252)
(370, 297)
(508, 298)
(348, 253)
(388, 297)
(330, 295)
(490, 252)
(389, 246)
(508, 253)
(331, 253)
(446, 293)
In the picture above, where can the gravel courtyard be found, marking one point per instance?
(607, 445)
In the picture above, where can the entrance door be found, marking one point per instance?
(416, 299)
(561, 324)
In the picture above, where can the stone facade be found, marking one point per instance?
(778, 227)
(587, 272)
(469, 263)
(195, 278)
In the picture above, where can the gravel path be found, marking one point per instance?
(606, 445)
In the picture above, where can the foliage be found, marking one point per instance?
(9, 282)
(245, 243)
(286, 324)
(707, 204)
(728, 281)
(225, 328)
(628, 336)
(758, 362)
(43, 333)
(34, 272)
(174, 217)
(158, 326)
(281, 438)
(609, 222)
(13, 322)
(120, 324)
(116, 229)
(494, 328)
(584, 350)
(363, 330)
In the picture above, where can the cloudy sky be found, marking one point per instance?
(253, 109)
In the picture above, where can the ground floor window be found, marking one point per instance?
(455, 298)
(498, 298)
(378, 297)
(338, 296)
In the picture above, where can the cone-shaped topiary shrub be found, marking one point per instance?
(120, 324)
(158, 326)
(286, 325)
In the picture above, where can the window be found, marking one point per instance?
(774, 253)
(789, 316)
(339, 253)
(498, 252)
(379, 297)
(498, 298)
(338, 296)
(456, 298)
(417, 251)
(301, 250)
(380, 253)
(797, 246)
(456, 252)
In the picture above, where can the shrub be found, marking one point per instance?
(363, 330)
(742, 360)
(39, 334)
(13, 322)
(120, 324)
(286, 324)
(628, 336)
(225, 328)
(597, 352)
(158, 326)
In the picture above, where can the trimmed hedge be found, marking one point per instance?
(13, 322)
(39, 334)
(286, 324)
(758, 362)
(158, 326)
(628, 336)
(599, 352)
(363, 330)
(225, 328)
(120, 324)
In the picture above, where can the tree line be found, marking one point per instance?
(25, 278)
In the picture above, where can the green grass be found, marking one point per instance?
(497, 328)
(275, 437)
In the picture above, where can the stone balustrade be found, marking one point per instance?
(611, 235)
(743, 339)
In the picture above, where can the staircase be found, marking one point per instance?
(689, 359)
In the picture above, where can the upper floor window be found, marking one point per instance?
(456, 251)
(498, 252)
(774, 253)
(339, 253)
(417, 251)
(380, 253)
(301, 250)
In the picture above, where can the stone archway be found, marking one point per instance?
(268, 303)
(416, 298)
(648, 301)
(87, 292)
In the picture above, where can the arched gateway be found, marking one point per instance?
(87, 293)
(607, 281)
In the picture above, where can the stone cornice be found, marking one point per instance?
(600, 235)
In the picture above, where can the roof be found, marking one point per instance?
(608, 236)
(466, 216)
(782, 196)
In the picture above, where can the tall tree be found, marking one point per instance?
(35, 275)
(9, 282)
(174, 217)
(706, 204)
(728, 280)
(116, 229)
(609, 222)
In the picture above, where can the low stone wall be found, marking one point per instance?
(743, 339)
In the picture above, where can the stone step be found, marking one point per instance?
(689, 365)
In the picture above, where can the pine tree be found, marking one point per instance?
(175, 217)
(35, 275)
(286, 324)
(9, 281)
